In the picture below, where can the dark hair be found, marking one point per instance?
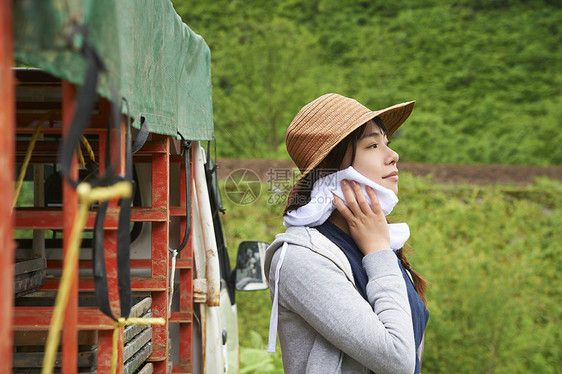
(300, 195)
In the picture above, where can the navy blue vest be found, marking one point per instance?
(420, 314)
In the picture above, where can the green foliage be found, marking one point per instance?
(493, 260)
(485, 74)
(256, 360)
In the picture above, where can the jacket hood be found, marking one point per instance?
(307, 238)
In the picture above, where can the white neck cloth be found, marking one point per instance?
(320, 207)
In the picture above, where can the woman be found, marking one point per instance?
(345, 299)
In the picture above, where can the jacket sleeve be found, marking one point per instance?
(378, 333)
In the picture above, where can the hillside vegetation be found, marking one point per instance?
(487, 77)
(486, 74)
(491, 255)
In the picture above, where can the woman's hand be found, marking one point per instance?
(367, 226)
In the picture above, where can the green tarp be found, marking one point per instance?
(156, 62)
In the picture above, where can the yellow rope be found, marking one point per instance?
(81, 157)
(88, 148)
(87, 196)
(28, 154)
(125, 322)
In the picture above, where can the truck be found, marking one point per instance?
(113, 254)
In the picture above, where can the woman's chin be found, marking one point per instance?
(393, 186)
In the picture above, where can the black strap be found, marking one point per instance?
(100, 275)
(186, 150)
(123, 243)
(87, 98)
(123, 232)
(141, 136)
(108, 178)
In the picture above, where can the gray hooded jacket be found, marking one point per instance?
(325, 325)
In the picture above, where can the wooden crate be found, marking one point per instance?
(29, 346)
(29, 275)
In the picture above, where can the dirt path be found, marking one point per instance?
(442, 173)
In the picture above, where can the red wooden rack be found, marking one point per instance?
(160, 152)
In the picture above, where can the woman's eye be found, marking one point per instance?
(372, 146)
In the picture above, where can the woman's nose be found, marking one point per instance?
(393, 157)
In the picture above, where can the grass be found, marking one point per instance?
(491, 255)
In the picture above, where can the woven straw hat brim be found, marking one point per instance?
(317, 129)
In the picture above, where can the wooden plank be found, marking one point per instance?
(86, 299)
(69, 339)
(53, 218)
(136, 361)
(38, 370)
(148, 368)
(29, 282)
(39, 318)
(159, 354)
(48, 148)
(137, 343)
(87, 284)
(29, 265)
(183, 317)
(181, 263)
(57, 131)
(26, 116)
(38, 338)
(133, 330)
(140, 308)
(186, 288)
(105, 347)
(7, 177)
(178, 211)
(153, 147)
(85, 360)
(160, 253)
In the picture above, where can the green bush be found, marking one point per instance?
(255, 359)
(485, 74)
(491, 255)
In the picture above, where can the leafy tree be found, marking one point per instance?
(485, 74)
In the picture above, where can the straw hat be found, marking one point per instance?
(323, 123)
